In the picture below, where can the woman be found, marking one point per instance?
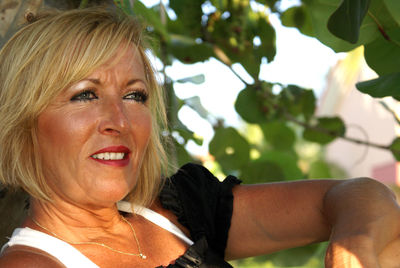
(81, 116)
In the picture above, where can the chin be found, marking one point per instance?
(113, 195)
(106, 195)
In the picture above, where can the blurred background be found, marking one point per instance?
(267, 90)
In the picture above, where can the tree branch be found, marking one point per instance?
(382, 30)
(327, 132)
(225, 60)
(387, 108)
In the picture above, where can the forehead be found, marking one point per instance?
(124, 62)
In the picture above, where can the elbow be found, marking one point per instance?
(360, 187)
(355, 195)
(369, 184)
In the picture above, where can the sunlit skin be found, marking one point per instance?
(342, 257)
(107, 109)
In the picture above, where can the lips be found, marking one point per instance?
(114, 156)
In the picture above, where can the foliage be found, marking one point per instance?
(346, 21)
(227, 32)
(302, 257)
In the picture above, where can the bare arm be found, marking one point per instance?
(271, 217)
(276, 216)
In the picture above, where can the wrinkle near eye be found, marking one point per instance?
(137, 95)
(85, 95)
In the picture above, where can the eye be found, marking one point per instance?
(138, 95)
(86, 95)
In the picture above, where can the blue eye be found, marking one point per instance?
(86, 95)
(139, 96)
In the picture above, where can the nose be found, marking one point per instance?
(113, 119)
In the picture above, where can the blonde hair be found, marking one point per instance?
(46, 56)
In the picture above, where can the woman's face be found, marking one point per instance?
(93, 136)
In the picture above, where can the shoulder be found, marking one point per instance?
(201, 202)
(194, 188)
(192, 170)
(27, 257)
(198, 176)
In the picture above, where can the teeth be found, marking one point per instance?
(109, 156)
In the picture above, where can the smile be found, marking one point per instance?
(114, 156)
(109, 156)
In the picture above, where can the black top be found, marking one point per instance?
(204, 205)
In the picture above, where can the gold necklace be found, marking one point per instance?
(140, 254)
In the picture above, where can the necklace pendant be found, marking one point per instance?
(142, 256)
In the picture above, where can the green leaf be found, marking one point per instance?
(383, 55)
(286, 161)
(294, 257)
(151, 17)
(321, 11)
(147, 14)
(125, 6)
(261, 171)
(326, 130)
(173, 104)
(386, 85)
(308, 103)
(346, 21)
(230, 149)
(187, 135)
(298, 101)
(246, 53)
(268, 40)
(83, 4)
(299, 17)
(289, 99)
(319, 170)
(248, 106)
(187, 50)
(220, 4)
(334, 3)
(251, 62)
(182, 155)
(189, 14)
(382, 15)
(395, 148)
(196, 79)
(195, 104)
(394, 8)
(279, 135)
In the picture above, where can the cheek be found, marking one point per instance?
(59, 132)
(142, 126)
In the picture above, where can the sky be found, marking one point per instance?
(300, 60)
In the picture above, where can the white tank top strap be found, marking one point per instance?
(155, 218)
(64, 252)
(70, 256)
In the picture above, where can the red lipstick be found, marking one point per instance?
(115, 162)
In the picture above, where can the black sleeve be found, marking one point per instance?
(202, 204)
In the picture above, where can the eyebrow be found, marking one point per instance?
(98, 82)
(133, 81)
(93, 80)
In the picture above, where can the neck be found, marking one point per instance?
(75, 223)
(77, 226)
